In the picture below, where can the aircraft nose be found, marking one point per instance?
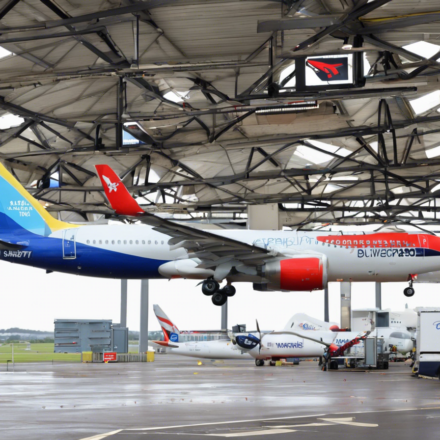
(409, 345)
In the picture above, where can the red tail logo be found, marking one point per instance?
(330, 69)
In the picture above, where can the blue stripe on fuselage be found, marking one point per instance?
(47, 253)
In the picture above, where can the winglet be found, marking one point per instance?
(117, 194)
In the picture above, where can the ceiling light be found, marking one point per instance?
(9, 120)
(176, 96)
(348, 43)
(290, 108)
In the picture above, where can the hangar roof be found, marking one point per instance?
(202, 92)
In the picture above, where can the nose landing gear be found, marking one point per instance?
(211, 287)
(409, 291)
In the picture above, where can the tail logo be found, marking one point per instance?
(111, 186)
(329, 69)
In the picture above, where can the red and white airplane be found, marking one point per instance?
(275, 260)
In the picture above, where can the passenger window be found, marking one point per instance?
(155, 242)
(119, 241)
(131, 241)
(143, 241)
(162, 241)
(137, 242)
(88, 241)
(113, 241)
(94, 242)
(100, 241)
(125, 241)
(106, 241)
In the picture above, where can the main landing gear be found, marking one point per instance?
(409, 291)
(211, 287)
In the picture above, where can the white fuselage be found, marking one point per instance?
(357, 257)
(219, 349)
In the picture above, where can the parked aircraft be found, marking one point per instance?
(272, 260)
(292, 343)
(216, 349)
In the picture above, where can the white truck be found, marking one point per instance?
(428, 342)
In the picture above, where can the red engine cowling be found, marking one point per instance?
(297, 274)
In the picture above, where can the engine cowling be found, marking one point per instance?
(297, 274)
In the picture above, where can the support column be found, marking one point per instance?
(379, 295)
(143, 332)
(326, 311)
(346, 304)
(123, 320)
(224, 323)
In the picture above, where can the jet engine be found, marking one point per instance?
(303, 273)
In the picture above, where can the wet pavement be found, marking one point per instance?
(175, 397)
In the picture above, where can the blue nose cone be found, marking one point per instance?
(247, 342)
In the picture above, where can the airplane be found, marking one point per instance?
(216, 349)
(281, 260)
(163, 249)
(227, 349)
(291, 343)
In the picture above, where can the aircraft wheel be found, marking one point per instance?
(409, 291)
(209, 287)
(259, 362)
(334, 365)
(219, 298)
(229, 290)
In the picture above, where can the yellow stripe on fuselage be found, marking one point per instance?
(53, 223)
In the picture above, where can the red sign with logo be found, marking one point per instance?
(110, 357)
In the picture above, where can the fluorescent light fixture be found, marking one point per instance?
(348, 43)
(175, 96)
(425, 102)
(289, 108)
(9, 120)
(433, 152)
(5, 53)
(423, 48)
(330, 148)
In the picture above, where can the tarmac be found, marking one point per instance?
(174, 397)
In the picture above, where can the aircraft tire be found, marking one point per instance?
(219, 298)
(229, 290)
(409, 291)
(259, 362)
(209, 287)
(334, 365)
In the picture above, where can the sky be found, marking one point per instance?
(32, 299)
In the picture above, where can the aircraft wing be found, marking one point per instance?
(214, 250)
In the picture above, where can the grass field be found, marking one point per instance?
(37, 353)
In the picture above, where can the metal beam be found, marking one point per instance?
(389, 24)
(7, 7)
(297, 23)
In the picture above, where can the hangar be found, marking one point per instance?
(258, 114)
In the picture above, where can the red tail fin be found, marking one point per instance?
(117, 194)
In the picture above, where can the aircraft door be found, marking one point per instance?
(69, 244)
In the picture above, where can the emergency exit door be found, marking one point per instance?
(69, 244)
